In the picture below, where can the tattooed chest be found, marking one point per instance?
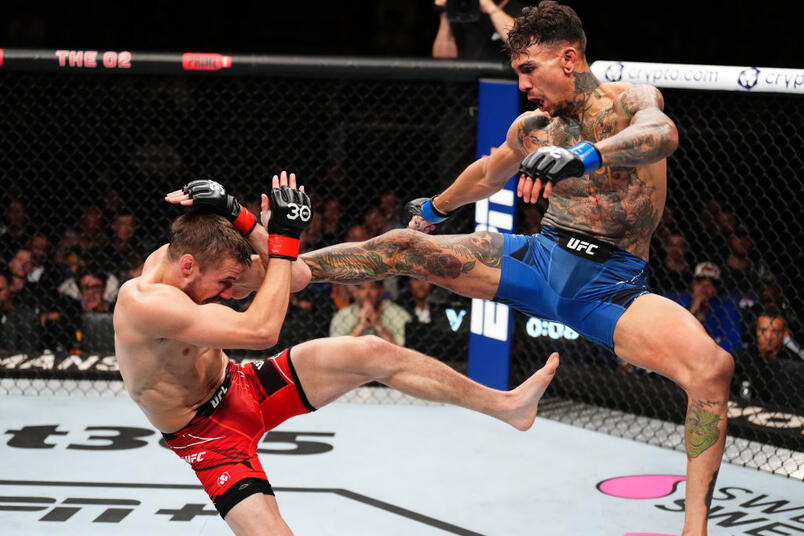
(612, 203)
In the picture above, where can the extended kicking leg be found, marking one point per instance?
(466, 264)
(329, 368)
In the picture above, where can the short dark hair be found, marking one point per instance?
(93, 270)
(208, 237)
(772, 311)
(548, 23)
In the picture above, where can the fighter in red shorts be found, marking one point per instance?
(169, 332)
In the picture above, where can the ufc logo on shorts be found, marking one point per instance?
(223, 479)
(582, 246)
(195, 457)
(218, 397)
(299, 212)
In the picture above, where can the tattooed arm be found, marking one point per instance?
(486, 176)
(650, 135)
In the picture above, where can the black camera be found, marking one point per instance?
(463, 10)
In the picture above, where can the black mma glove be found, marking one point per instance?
(210, 195)
(424, 207)
(557, 163)
(291, 213)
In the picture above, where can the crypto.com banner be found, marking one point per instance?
(712, 77)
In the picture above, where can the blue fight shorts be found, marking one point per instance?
(571, 278)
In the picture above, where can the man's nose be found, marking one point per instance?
(524, 83)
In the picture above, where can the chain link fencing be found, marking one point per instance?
(85, 161)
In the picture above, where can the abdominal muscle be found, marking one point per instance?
(170, 380)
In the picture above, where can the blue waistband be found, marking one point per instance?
(611, 252)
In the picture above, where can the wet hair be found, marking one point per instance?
(549, 23)
(208, 237)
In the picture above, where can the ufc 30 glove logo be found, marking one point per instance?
(300, 212)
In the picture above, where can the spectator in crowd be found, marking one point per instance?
(767, 371)
(371, 314)
(718, 314)
(124, 248)
(770, 296)
(14, 230)
(667, 225)
(313, 236)
(331, 225)
(426, 304)
(53, 312)
(674, 272)
(356, 233)
(92, 285)
(480, 39)
(374, 222)
(71, 262)
(340, 296)
(391, 209)
(88, 238)
(76, 263)
(18, 328)
(741, 273)
(716, 224)
(21, 266)
(419, 307)
(44, 270)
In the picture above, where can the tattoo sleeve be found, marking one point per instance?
(404, 252)
(651, 135)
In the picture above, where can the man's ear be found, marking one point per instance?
(569, 59)
(188, 266)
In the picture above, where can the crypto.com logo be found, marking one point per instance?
(614, 72)
(748, 78)
(641, 487)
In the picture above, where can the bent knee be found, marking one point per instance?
(713, 368)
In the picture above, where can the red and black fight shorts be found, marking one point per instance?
(220, 443)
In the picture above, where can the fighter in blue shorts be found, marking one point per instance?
(598, 152)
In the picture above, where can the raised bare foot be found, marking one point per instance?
(526, 397)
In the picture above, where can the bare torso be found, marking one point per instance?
(619, 205)
(168, 379)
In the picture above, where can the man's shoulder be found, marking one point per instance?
(527, 129)
(136, 294)
(532, 120)
(629, 98)
(618, 88)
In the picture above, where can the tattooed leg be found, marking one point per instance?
(660, 335)
(467, 264)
